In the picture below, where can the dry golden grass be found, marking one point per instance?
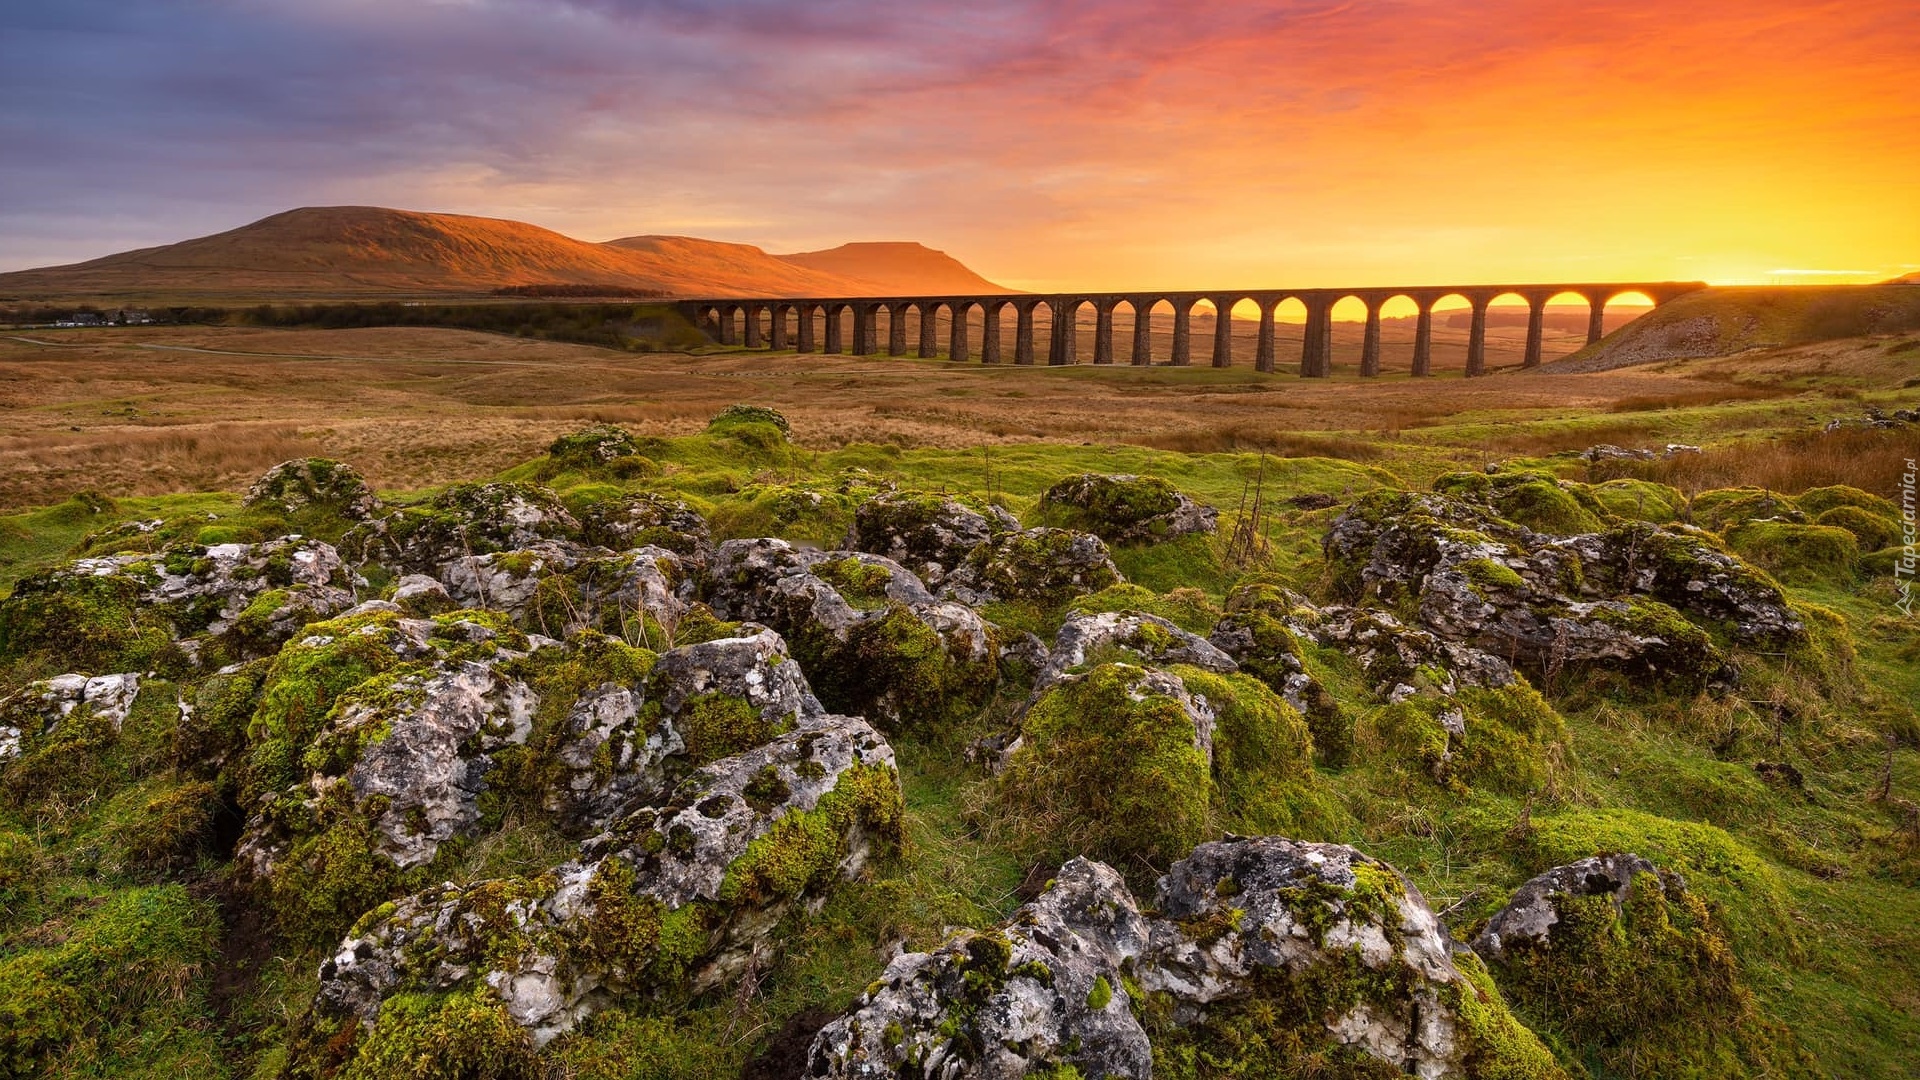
(1864, 458)
(162, 409)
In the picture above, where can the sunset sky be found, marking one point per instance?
(1046, 143)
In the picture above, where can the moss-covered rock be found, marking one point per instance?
(1115, 764)
(1798, 554)
(305, 487)
(462, 521)
(1254, 633)
(1188, 608)
(671, 901)
(1820, 500)
(1508, 739)
(166, 611)
(643, 519)
(738, 416)
(1085, 641)
(1870, 530)
(872, 639)
(926, 533)
(599, 449)
(1723, 508)
(1125, 509)
(1628, 968)
(1263, 957)
(1640, 500)
(1045, 566)
(1537, 501)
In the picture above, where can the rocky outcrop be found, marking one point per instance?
(1621, 598)
(211, 604)
(463, 521)
(1149, 638)
(1046, 566)
(292, 487)
(37, 709)
(873, 640)
(401, 759)
(642, 519)
(1126, 509)
(672, 897)
(1529, 917)
(556, 587)
(1082, 978)
(929, 534)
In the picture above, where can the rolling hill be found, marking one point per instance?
(907, 268)
(357, 252)
(1721, 322)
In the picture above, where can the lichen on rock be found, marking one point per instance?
(1125, 509)
(1259, 956)
(314, 484)
(671, 898)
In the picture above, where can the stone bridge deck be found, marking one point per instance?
(784, 323)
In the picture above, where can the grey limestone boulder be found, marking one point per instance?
(464, 520)
(871, 638)
(929, 534)
(643, 519)
(1126, 509)
(1529, 917)
(1045, 565)
(672, 898)
(1087, 637)
(293, 486)
(1083, 977)
(37, 709)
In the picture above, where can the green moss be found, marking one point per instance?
(1544, 505)
(460, 1036)
(1640, 500)
(1109, 776)
(302, 685)
(1487, 574)
(1724, 508)
(861, 584)
(1650, 986)
(120, 986)
(1101, 994)
(1263, 776)
(1722, 869)
(804, 848)
(332, 873)
(898, 672)
(738, 416)
(1498, 1045)
(1025, 566)
(1820, 500)
(167, 831)
(1871, 531)
(676, 1045)
(717, 725)
(89, 623)
(1688, 656)
(1114, 508)
(1513, 741)
(1189, 609)
(602, 448)
(1798, 554)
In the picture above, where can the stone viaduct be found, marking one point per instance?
(788, 323)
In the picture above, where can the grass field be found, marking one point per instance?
(1813, 879)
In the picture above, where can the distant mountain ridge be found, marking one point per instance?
(364, 251)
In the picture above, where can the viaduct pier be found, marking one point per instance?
(790, 323)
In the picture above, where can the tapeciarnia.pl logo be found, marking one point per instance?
(1903, 569)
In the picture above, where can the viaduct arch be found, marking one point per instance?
(763, 323)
